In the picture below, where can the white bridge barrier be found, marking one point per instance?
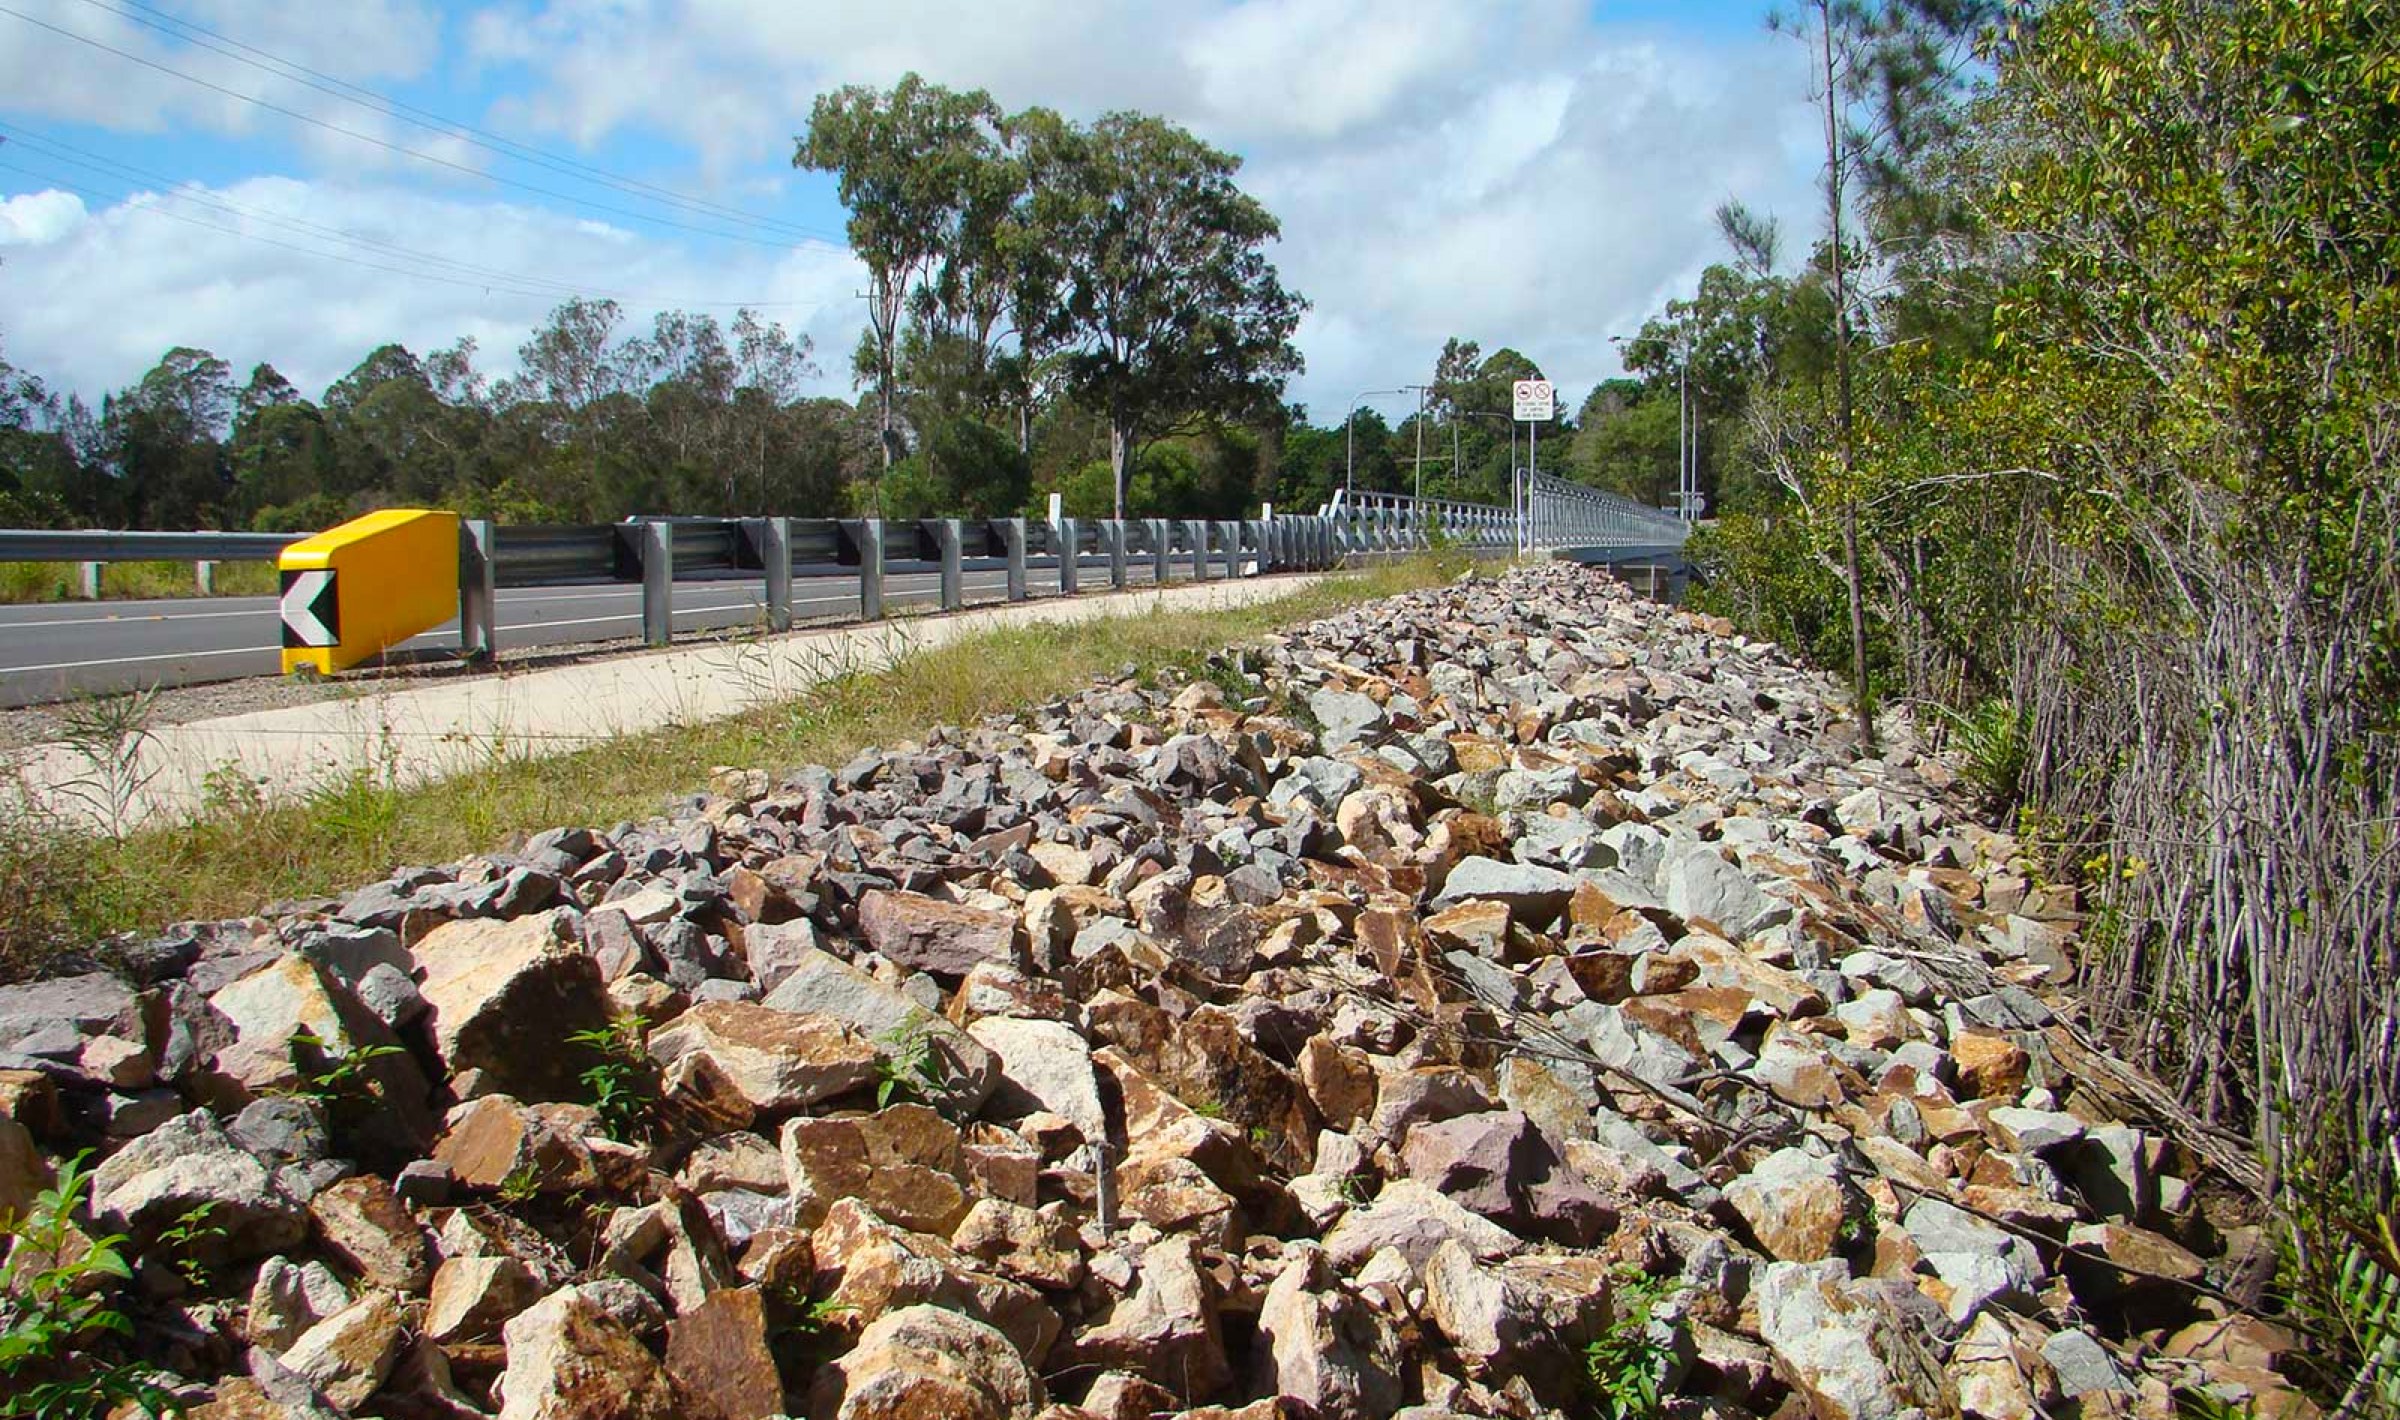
(1551, 513)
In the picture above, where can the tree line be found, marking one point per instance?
(2074, 429)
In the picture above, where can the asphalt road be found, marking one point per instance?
(58, 649)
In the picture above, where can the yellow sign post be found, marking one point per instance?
(353, 592)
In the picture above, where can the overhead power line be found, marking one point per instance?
(201, 36)
(378, 255)
(403, 149)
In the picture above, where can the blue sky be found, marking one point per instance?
(1535, 173)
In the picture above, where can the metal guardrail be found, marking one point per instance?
(656, 553)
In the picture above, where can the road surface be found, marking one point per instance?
(54, 650)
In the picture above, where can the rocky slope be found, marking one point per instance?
(1512, 999)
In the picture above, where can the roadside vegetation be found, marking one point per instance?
(23, 582)
(2072, 432)
(64, 890)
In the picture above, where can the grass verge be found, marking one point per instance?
(22, 582)
(62, 891)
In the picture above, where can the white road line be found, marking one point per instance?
(132, 660)
(266, 608)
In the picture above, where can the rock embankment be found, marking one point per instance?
(1511, 999)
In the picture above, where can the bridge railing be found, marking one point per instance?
(1556, 514)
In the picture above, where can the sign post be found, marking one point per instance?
(1536, 404)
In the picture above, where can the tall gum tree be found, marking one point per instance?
(914, 167)
(1167, 308)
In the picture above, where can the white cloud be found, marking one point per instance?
(93, 302)
(38, 218)
(1514, 172)
(148, 83)
(1519, 172)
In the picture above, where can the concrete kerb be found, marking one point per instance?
(423, 733)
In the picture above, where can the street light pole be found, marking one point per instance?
(1350, 436)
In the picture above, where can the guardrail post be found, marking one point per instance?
(1118, 574)
(1160, 554)
(1012, 539)
(1198, 532)
(951, 534)
(478, 583)
(90, 587)
(1070, 572)
(1229, 536)
(775, 550)
(870, 569)
(1266, 536)
(658, 583)
(204, 577)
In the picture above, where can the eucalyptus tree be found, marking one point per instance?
(917, 165)
(1168, 312)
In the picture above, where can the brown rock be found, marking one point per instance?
(347, 1355)
(568, 1359)
(23, 1171)
(927, 934)
(902, 1163)
(776, 1060)
(362, 1223)
(923, 1362)
(1167, 1329)
(718, 1360)
(1798, 1206)
(31, 1098)
(1990, 1065)
(505, 995)
(473, 1297)
(1037, 1248)
(494, 1139)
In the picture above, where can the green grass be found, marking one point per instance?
(22, 582)
(60, 890)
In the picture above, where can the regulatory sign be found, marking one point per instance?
(312, 614)
(1534, 401)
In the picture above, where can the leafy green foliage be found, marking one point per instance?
(181, 1243)
(907, 1067)
(624, 1080)
(1993, 741)
(1622, 1364)
(54, 1307)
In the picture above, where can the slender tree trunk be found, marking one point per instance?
(1120, 448)
(1859, 689)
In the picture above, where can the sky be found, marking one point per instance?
(300, 181)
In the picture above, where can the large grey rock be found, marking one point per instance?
(820, 983)
(1699, 884)
(1347, 718)
(1046, 1064)
(1831, 1341)
(92, 1004)
(1534, 895)
(191, 1163)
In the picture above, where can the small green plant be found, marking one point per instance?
(109, 733)
(623, 1083)
(905, 1068)
(1207, 1107)
(54, 1303)
(343, 1084)
(1622, 1364)
(180, 1244)
(520, 1187)
(1994, 744)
